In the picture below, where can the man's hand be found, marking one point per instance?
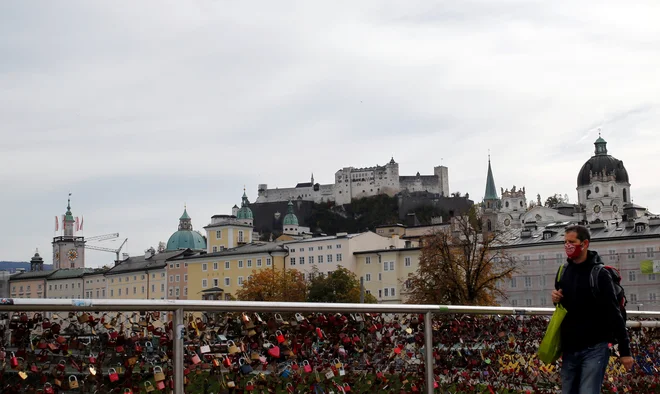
(627, 362)
(557, 295)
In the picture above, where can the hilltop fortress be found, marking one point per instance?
(353, 183)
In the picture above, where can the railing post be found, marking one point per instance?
(178, 350)
(428, 350)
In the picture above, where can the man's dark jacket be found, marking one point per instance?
(590, 321)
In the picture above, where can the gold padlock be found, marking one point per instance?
(73, 382)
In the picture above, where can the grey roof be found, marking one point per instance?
(70, 273)
(325, 238)
(212, 290)
(31, 275)
(512, 238)
(387, 250)
(140, 263)
(251, 248)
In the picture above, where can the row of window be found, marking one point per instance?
(216, 282)
(175, 292)
(173, 265)
(178, 278)
(311, 248)
(407, 261)
(259, 262)
(143, 277)
(528, 280)
(612, 255)
(387, 292)
(218, 235)
(319, 259)
(100, 293)
(543, 301)
(126, 292)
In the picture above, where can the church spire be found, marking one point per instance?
(491, 191)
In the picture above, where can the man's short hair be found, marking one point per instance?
(582, 232)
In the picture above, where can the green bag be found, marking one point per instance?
(550, 349)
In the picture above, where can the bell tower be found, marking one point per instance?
(491, 203)
(68, 248)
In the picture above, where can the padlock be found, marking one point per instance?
(13, 361)
(232, 348)
(289, 387)
(159, 375)
(205, 349)
(128, 391)
(148, 387)
(329, 375)
(299, 318)
(195, 358)
(286, 372)
(279, 336)
(306, 367)
(48, 389)
(160, 385)
(249, 386)
(244, 366)
(346, 387)
(113, 375)
(274, 352)
(73, 382)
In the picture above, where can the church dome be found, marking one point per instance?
(290, 219)
(244, 212)
(602, 162)
(186, 238)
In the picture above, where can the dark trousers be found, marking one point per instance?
(582, 372)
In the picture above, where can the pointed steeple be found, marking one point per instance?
(491, 191)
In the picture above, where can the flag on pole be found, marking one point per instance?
(57, 223)
(77, 224)
(81, 222)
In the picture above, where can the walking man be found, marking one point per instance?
(593, 319)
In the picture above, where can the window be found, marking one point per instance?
(380, 276)
(112, 293)
(178, 278)
(649, 252)
(227, 265)
(50, 287)
(153, 288)
(302, 260)
(293, 261)
(134, 290)
(171, 266)
(215, 249)
(329, 247)
(205, 267)
(559, 257)
(541, 259)
(259, 263)
(380, 293)
(633, 297)
(119, 292)
(204, 284)
(98, 291)
(227, 281)
(543, 301)
(215, 266)
(528, 281)
(240, 263)
(216, 282)
(319, 248)
(176, 292)
(218, 234)
(651, 277)
(542, 281)
(528, 302)
(240, 236)
(269, 262)
(171, 278)
(652, 296)
(170, 292)
(612, 254)
(338, 246)
(391, 265)
(631, 253)
(339, 257)
(367, 260)
(249, 263)
(329, 258)
(311, 259)
(367, 278)
(97, 281)
(392, 291)
(185, 291)
(387, 292)
(514, 302)
(185, 277)
(320, 259)
(513, 282)
(311, 249)
(240, 281)
(632, 275)
(526, 260)
(302, 249)
(407, 261)
(408, 284)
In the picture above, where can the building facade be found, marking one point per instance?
(95, 284)
(67, 283)
(223, 273)
(177, 280)
(353, 183)
(68, 248)
(386, 271)
(227, 232)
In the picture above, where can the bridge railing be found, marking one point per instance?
(130, 346)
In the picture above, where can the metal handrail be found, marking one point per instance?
(179, 307)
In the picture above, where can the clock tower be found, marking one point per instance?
(68, 248)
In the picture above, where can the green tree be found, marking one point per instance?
(274, 285)
(341, 285)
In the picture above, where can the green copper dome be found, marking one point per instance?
(186, 238)
(290, 219)
(244, 212)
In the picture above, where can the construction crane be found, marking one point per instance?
(116, 251)
(105, 237)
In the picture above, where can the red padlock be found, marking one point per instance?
(113, 375)
(306, 367)
(13, 361)
(195, 358)
(48, 389)
(280, 336)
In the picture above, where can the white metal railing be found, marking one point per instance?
(179, 307)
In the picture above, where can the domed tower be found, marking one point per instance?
(37, 262)
(290, 224)
(602, 185)
(185, 237)
(244, 214)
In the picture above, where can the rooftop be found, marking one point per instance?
(142, 263)
(387, 250)
(251, 248)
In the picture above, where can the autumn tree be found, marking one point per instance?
(274, 285)
(341, 285)
(461, 265)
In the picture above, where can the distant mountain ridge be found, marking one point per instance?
(12, 266)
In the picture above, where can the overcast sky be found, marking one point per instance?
(137, 107)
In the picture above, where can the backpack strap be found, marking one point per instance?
(593, 279)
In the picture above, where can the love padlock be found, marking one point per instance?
(113, 375)
(13, 361)
(306, 367)
(195, 358)
(279, 336)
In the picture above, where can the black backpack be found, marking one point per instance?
(593, 282)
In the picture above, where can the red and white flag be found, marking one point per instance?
(57, 223)
(81, 222)
(77, 224)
